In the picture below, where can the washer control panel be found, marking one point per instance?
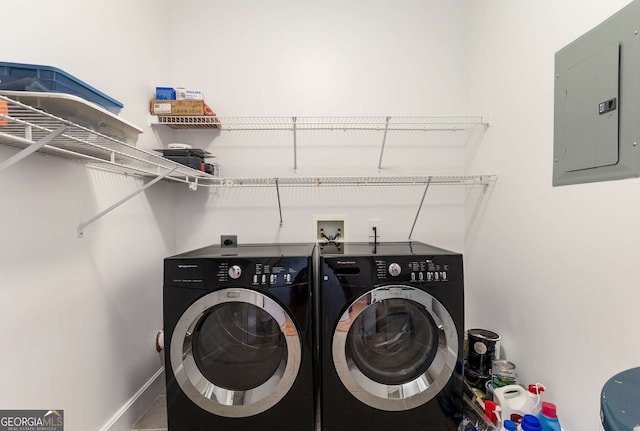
(258, 274)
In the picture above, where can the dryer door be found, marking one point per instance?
(395, 347)
(235, 352)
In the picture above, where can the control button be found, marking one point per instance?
(235, 271)
(394, 269)
(255, 279)
(421, 276)
(413, 276)
(264, 279)
(287, 278)
(443, 275)
(272, 278)
(436, 276)
(429, 276)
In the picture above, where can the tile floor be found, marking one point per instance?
(155, 418)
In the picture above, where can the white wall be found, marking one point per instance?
(78, 317)
(553, 270)
(330, 58)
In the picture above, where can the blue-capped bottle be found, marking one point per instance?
(508, 425)
(530, 423)
(548, 417)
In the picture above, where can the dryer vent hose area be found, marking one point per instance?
(160, 341)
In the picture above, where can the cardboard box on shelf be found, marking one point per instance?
(177, 107)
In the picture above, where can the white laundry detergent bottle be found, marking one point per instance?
(515, 402)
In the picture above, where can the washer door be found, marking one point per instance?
(235, 352)
(395, 348)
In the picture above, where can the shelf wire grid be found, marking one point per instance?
(449, 180)
(371, 123)
(24, 125)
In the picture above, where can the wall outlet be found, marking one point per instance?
(228, 240)
(330, 228)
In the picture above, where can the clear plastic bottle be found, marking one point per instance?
(530, 423)
(466, 425)
(548, 417)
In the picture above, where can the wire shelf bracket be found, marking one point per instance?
(121, 201)
(32, 148)
(424, 195)
(279, 203)
(384, 140)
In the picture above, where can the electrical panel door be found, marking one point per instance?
(597, 103)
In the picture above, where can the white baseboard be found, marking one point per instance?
(130, 412)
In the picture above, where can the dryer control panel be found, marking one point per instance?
(373, 270)
(413, 269)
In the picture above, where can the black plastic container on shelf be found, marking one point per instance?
(191, 161)
(193, 157)
(194, 162)
(186, 152)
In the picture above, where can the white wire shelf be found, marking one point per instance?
(462, 182)
(294, 181)
(25, 126)
(189, 122)
(295, 125)
(372, 123)
(32, 129)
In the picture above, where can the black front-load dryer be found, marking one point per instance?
(238, 338)
(391, 331)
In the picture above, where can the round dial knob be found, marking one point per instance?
(235, 271)
(394, 269)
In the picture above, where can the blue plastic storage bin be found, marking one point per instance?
(165, 93)
(29, 77)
